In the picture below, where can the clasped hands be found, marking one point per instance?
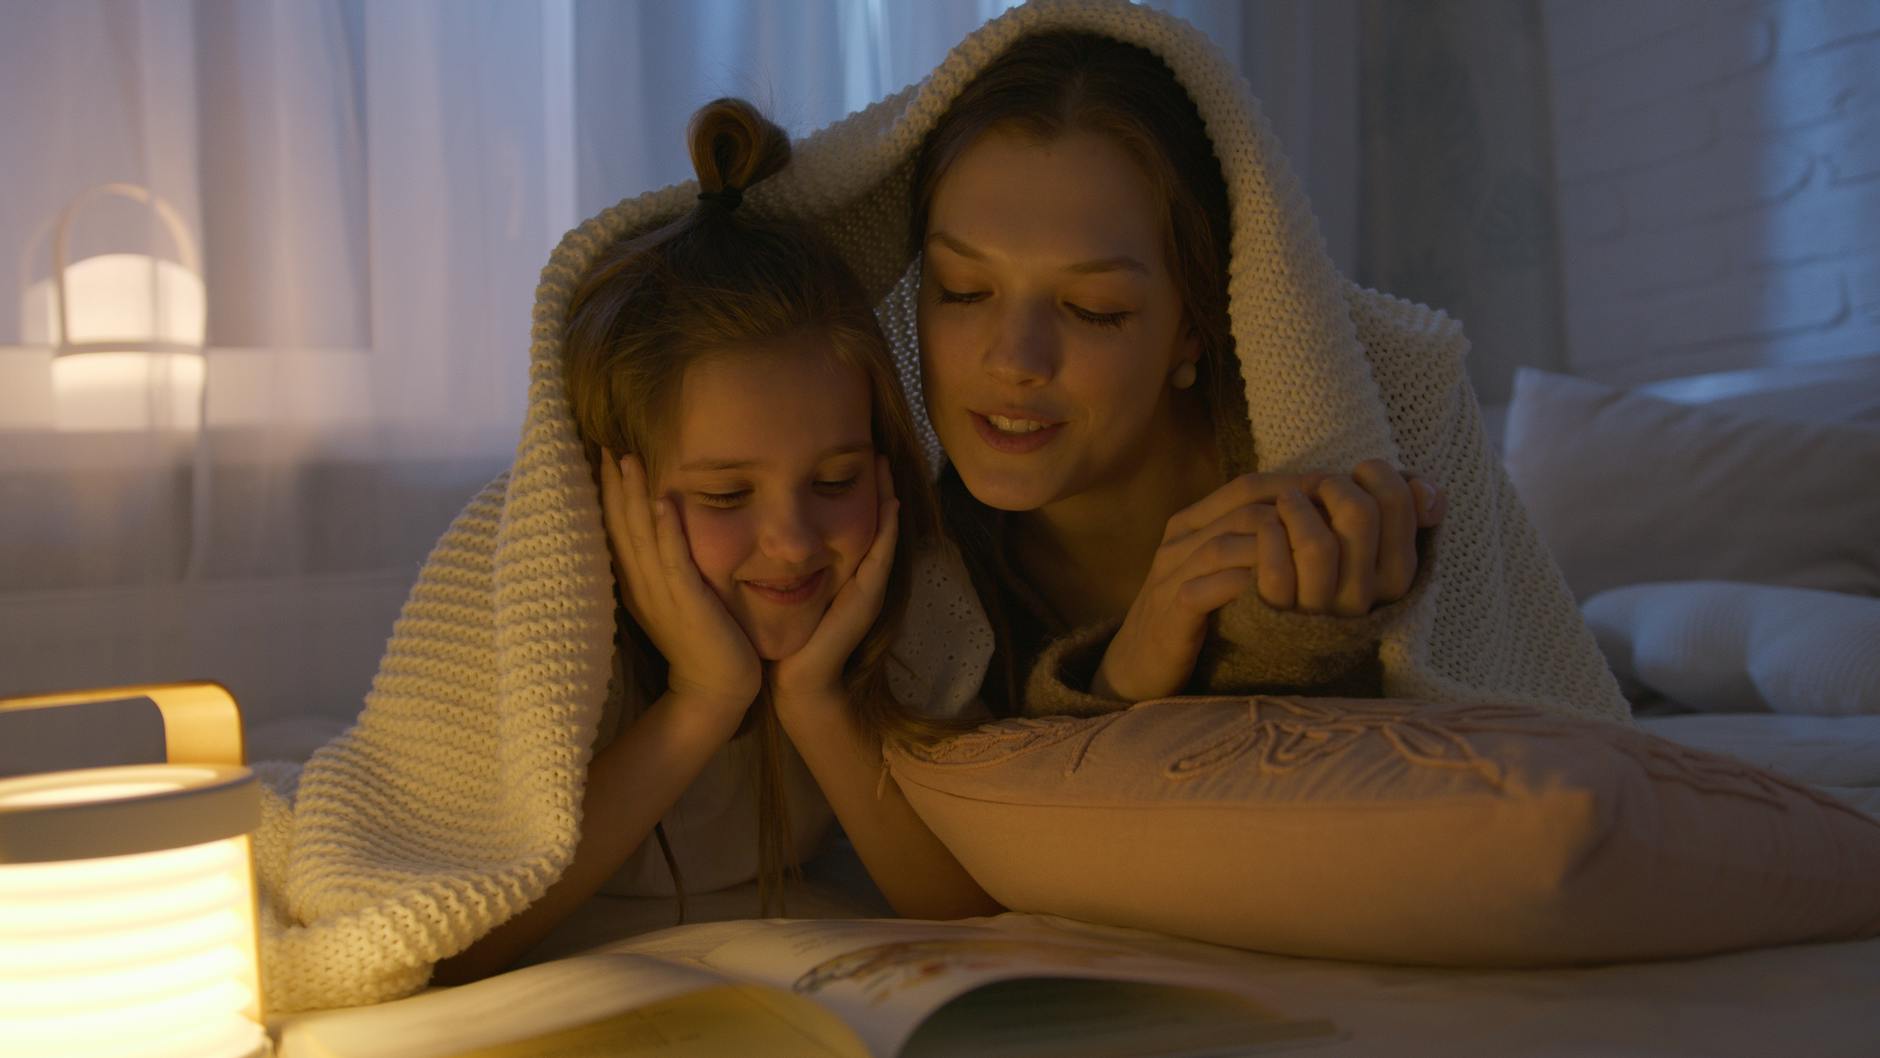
(710, 660)
(1308, 543)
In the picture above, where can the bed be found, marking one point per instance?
(1709, 689)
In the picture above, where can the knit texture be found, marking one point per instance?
(454, 801)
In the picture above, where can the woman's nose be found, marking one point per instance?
(1023, 349)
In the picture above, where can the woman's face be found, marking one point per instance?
(773, 475)
(1049, 318)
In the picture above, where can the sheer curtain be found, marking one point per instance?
(374, 187)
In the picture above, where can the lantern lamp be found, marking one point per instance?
(126, 329)
(127, 894)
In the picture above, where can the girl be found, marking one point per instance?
(756, 464)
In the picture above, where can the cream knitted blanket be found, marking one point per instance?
(455, 800)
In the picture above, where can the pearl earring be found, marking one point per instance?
(1184, 375)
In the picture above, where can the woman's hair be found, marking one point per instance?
(721, 278)
(1053, 84)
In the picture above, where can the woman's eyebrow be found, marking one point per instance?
(746, 464)
(1117, 263)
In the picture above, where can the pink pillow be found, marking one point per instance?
(1394, 831)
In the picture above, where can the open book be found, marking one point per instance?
(989, 988)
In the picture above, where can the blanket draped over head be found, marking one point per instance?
(454, 801)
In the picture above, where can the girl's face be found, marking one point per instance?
(773, 476)
(1049, 318)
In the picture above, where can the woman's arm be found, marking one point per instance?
(919, 875)
(630, 785)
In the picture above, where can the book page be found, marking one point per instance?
(885, 977)
(519, 1005)
(714, 1023)
(1105, 1019)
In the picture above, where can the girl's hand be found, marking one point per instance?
(814, 672)
(1265, 531)
(709, 659)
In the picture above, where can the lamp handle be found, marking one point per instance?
(62, 237)
(201, 724)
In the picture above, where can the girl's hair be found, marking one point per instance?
(1053, 84)
(721, 278)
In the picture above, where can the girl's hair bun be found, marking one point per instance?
(734, 146)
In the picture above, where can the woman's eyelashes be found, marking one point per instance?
(1090, 316)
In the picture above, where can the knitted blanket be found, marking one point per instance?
(454, 801)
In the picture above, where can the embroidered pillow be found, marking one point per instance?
(1392, 831)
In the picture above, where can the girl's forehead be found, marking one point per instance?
(784, 404)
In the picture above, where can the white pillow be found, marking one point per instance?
(1627, 489)
(1726, 647)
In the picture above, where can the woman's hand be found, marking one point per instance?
(1312, 543)
(709, 659)
(814, 673)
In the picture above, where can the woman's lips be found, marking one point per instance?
(1014, 443)
(788, 592)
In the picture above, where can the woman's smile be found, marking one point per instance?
(1013, 435)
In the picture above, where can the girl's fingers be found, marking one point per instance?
(634, 514)
(1355, 522)
(819, 661)
(629, 542)
(675, 560)
(1314, 552)
(884, 479)
(872, 572)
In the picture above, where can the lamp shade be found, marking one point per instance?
(127, 901)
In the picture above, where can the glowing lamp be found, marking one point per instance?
(138, 321)
(127, 896)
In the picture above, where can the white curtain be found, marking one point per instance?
(375, 186)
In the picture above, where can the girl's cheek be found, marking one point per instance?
(719, 541)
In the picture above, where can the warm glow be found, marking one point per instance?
(120, 298)
(149, 955)
(127, 391)
(134, 310)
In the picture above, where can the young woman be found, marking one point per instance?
(763, 499)
(1081, 372)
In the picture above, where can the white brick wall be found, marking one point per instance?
(1719, 177)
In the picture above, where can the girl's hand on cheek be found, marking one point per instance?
(709, 659)
(813, 675)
